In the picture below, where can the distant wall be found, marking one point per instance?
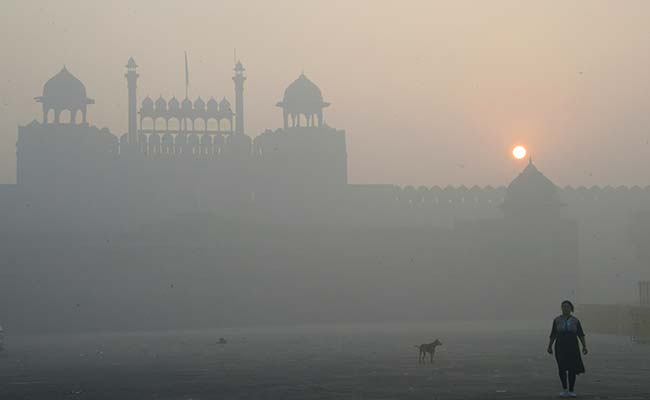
(609, 319)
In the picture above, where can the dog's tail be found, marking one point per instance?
(417, 346)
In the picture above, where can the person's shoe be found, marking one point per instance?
(564, 393)
(573, 394)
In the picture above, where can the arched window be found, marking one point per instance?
(186, 124)
(213, 125)
(65, 117)
(160, 124)
(49, 116)
(146, 124)
(167, 143)
(199, 125)
(154, 143)
(173, 124)
(225, 125)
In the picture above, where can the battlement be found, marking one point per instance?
(489, 196)
(204, 145)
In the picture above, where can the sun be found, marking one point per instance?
(519, 152)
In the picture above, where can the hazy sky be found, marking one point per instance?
(429, 92)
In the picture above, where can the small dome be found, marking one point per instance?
(186, 104)
(224, 105)
(147, 103)
(213, 106)
(302, 95)
(64, 90)
(199, 104)
(161, 104)
(531, 189)
(173, 104)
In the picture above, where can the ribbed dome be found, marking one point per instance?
(161, 104)
(64, 90)
(224, 104)
(147, 103)
(302, 92)
(199, 104)
(213, 105)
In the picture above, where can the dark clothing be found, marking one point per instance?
(566, 332)
(572, 379)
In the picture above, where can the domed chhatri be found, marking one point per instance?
(531, 193)
(303, 98)
(147, 104)
(64, 92)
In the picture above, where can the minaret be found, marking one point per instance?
(132, 78)
(239, 79)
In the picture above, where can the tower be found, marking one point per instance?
(239, 79)
(132, 78)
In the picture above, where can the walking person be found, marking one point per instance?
(565, 333)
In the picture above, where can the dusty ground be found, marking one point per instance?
(489, 360)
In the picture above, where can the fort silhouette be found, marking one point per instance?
(182, 163)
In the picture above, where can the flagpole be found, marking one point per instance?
(187, 77)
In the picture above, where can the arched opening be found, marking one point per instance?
(154, 143)
(173, 124)
(217, 143)
(160, 125)
(167, 143)
(212, 124)
(188, 125)
(225, 125)
(193, 144)
(79, 117)
(49, 116)
(206, 144)
(199, 125)
(65, 117)
(146, 124)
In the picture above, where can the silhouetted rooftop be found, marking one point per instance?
(302, 94)
(64, 90)
(531, 187)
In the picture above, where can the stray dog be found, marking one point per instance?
(428, 348)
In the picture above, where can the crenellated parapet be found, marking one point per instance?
(604, 194)
(436, 196)
(489, 196)
(174, 144)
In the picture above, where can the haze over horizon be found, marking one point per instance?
(429, 93)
